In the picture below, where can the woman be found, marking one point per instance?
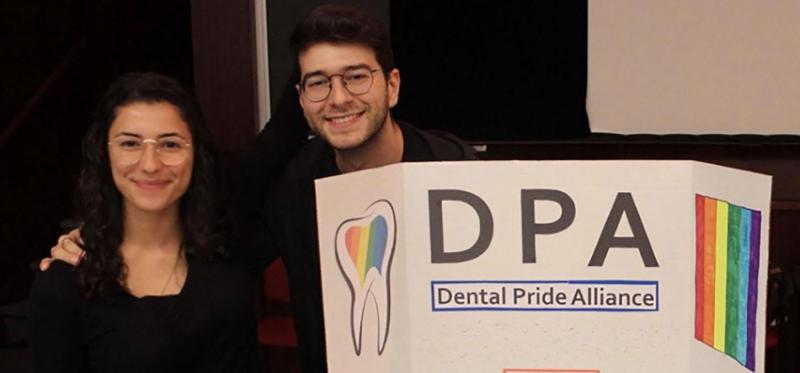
(147, 296)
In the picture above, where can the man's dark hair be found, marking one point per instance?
(100, 202)
(339, 24)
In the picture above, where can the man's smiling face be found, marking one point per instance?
(344, 120)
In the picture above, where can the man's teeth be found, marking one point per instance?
(339, 120)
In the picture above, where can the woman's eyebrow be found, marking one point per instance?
(170, 134)
(131, 134)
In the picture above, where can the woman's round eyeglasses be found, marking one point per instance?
(171, 150)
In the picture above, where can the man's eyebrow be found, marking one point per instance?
(361, 65)
(343, 69)
(315, 72)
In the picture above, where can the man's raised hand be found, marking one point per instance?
(69, 249)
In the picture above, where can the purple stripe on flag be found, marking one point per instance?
(752, 294)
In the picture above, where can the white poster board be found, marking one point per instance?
(558, 266)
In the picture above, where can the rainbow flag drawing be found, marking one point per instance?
(726, 277)
(367, 245)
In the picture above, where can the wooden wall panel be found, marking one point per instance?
(223, 39)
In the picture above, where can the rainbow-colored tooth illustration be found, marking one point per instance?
(364, 250)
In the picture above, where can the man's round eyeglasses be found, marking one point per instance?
(356, 80)
(171, 151)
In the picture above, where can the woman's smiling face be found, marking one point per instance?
(148, 184)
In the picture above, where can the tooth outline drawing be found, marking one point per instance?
(362, 289)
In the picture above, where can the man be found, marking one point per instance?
(348, 84)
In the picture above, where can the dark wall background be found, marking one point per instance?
(282, 16)
(493, 70)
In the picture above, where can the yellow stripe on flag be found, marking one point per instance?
(721, 273)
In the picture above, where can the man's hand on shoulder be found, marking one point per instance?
(68, 249)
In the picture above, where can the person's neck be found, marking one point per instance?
(151, 251)
(385, 148)
(152, 231)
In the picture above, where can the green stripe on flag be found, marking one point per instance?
(732, 291)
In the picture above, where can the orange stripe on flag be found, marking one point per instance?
(699, 206)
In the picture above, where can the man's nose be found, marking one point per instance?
(339, 93)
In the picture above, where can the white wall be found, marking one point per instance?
(694, 66)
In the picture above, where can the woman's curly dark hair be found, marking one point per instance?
(100, 203)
